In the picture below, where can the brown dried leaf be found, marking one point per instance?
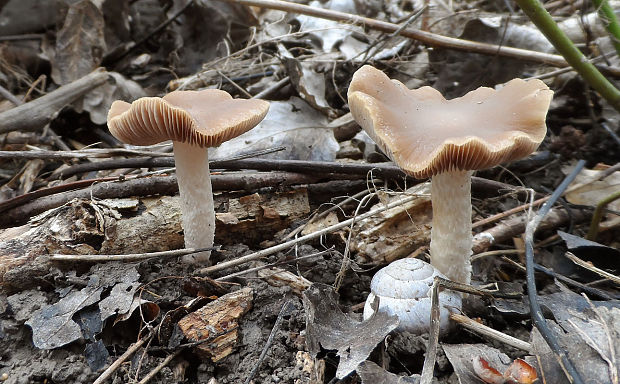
(80, 43)
(327, 327)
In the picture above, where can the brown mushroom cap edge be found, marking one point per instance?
(425, 134)
(204, 118)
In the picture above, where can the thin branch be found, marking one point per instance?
(283, 246)
(433, 337)
(130, 351)
(285, 310)
(428, 38)
(535, 310)
(80, 154)
(490, 332)
(115, 56)
(543, 20)
(592, 268)
(131, 257)
(267, 266)
(159, 367)
(34, 115)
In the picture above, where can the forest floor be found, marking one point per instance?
(301, 201)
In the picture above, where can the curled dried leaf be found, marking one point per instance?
(485, 372)
(520, 372)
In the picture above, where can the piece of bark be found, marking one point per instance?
(34, 115)
(219, 317)
(394, 233)
(258, 217)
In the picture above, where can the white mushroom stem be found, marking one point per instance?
(198, 215)
(451, 238)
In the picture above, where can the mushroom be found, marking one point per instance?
(429, 136)
(193, 120)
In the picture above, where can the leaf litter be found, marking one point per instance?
(71, 321)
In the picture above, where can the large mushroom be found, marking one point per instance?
(429, 136)
(193, 120)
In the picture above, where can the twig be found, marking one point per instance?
(568, 281)
(326, 212)
(147, 186)
(344, 266)
(266, 266)
(34, 115)
(535, 310)
(272, 88)
(598, 215)
(599, 176)
(130, 351)
(286, 308)
(165, 161)
(9, 96)
(490, 332)
(280, 247)
(429, 38)
(433, 337)
(25, 36)
(79, 154)
(508, 229)
(608, 17)
(379, 44)
(543, 20)
(613, 134)
(159, 367)
(592, 268)
(54, 136)
(466, 288)
(26, 197)
(131, 257)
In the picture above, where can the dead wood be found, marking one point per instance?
(219, 316)
(515, 226)
(147, 186)
(152, 224)
(35, 114)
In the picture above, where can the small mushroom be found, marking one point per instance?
(429, 136)
(193, 120)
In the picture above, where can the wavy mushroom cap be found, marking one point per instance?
(203, 118)
(425, 134)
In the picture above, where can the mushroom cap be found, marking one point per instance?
(204, 118)
(425, 134)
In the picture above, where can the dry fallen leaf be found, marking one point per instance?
(328, 327)
(80, 43)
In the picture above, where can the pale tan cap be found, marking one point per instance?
(425, 134)
(203, 118)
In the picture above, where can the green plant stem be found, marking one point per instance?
(598, 214)
(608, 16)
(543, 20)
